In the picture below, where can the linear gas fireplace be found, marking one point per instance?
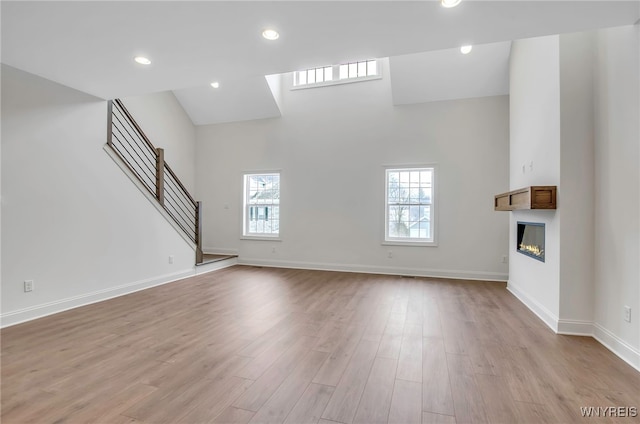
(531, 239)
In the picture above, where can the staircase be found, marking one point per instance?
(146, 162)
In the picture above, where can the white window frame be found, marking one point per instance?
(246, 234)
(336, 75)
(407, 241)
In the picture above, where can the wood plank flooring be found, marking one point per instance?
(258, 345)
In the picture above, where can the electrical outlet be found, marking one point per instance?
(170, 259)
(28, 285)
(504, 259)
(273, 250)
(390, 254)
(627, 313)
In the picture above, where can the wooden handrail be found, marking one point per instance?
(183, 209)
(135, 124)
(166, 165)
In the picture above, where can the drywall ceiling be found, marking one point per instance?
(448, 74)
(236, 100)
(89, 45)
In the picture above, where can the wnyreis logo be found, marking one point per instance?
(609, 411)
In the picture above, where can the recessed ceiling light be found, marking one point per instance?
(142, 60)
(215, 84)
(466, 49)
(450, 3)
(270, 34)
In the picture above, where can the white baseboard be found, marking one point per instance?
(368, 269)
(214, 266)
(570, 327)
(38, 311)
(541, 311)
(619, 347)
(625, 351)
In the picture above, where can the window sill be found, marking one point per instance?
(261, 238)
(410, 243)
(335, 82)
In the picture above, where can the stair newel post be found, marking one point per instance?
(198, 232)
(160, 175)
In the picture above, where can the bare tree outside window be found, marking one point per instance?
(409, 204)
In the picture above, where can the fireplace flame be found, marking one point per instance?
(532, 249)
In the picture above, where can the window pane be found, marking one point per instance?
(414, 177)
(262, 197)
(311, 76)
(409, 197)
(344, 71)
(425, 195)
(372, 67)
(353, 70)
(319, 75)
(328, 73)
(302, 77)
(362, 69)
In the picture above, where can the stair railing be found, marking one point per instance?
(146, 162)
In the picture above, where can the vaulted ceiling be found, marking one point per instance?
(89, 45)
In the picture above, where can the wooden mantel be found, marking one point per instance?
(534, 197)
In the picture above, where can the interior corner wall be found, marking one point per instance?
(534, 110)
(576, 183)
(167, 125)
(617, 190)
(331, 145)
(72, 221)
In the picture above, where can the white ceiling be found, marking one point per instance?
(448, 74)
(89, 45)
(237, 100)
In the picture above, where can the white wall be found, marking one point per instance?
(167, 126)
(577, 96)
(576, 183)
(534, 110)
(71, 220)
(331, 144)
(617, 190)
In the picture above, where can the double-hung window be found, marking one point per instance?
(262, 205)
(409, 208)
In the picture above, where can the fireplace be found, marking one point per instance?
(530, 240)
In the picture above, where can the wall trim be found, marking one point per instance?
(214, 266)
(570, 327)
(541, 311)
(615, 344)
(371, 269)
(38, 311)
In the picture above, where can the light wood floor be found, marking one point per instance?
(272, 345)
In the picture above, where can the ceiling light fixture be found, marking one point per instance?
(450, 3)
(142, 60)
(466, 49)
(270, 34)
(215, 84)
